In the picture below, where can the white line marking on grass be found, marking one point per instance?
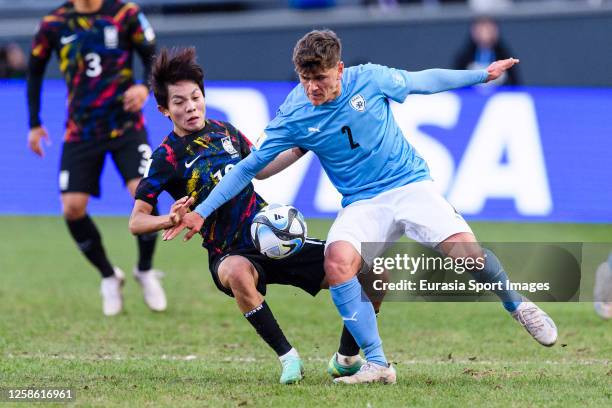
(234, 359)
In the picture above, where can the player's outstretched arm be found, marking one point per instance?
(437, 80)
(282, 161)
(142, 222)
(497, 68)
(234, 181)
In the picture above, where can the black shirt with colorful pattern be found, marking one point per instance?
(192, 166)
(95, 53)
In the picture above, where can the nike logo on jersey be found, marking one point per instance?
(189, 164)
(314, 129)
(353, 318)
(68, 39)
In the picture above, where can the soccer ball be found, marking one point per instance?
(278, 231)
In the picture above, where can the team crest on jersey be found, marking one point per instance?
(111, 37)
(358, 103)
(228, 146)
(399, 79)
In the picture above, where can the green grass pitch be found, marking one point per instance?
(201, 352)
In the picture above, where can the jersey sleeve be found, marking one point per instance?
(396, 84)
(159, 173)
(142, 37)
(44, 39)
(393, 83)
(42, 48)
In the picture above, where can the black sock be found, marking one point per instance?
(89, 241)
(146, 247)
(348, 345)
(262, 319)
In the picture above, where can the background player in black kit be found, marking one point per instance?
(94, 41)
(188, 164)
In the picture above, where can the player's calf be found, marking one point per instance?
(239, 277)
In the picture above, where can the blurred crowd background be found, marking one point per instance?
(559, 42)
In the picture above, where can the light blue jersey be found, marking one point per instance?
(355, 136)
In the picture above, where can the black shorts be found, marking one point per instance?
(303, 270)
(82, 162)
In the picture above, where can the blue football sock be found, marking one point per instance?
(493, 272)
(358, 316)
(610, 260)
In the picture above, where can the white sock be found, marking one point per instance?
(291, 353)
(346, 361)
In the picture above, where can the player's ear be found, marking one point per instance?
(164, 111)
(340, 69)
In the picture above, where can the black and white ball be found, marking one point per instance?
(278, 231)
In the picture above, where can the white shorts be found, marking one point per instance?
(416, 210)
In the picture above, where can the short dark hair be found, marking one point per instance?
(172, 66)
(318, 50)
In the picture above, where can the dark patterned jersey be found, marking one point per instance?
(192, 166)
(95, 53)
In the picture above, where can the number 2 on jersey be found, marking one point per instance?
(347, 130)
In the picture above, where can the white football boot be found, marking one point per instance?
(602, 294)
(110, 289)
(370, 373)
(150, 282)
(536, 322)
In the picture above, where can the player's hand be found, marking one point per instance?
(135, 97)
(497, 68)
(192, 221)
(35, 135)
(179, 209)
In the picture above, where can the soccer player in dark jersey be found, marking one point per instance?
(188, 164)
(94, 41)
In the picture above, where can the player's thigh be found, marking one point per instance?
(131, 153)
(426, 216)
(237, 270)
(81, 165)
(367, 225)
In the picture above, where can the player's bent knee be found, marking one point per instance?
(73, 212)
(341, 264)
(462, 245)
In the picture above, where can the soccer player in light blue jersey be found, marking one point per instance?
(343, 116)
